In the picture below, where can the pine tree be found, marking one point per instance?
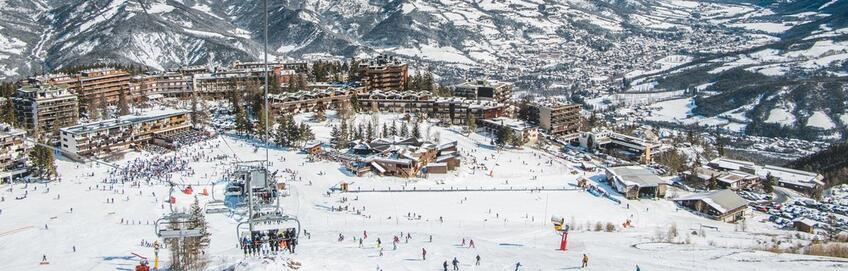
(43, 161)
(123, 106)
(320, 115)
(416, 130)
(306, 134)
(293, 131)
(404, 131)
(369, 132)
(768, 183)
(260, 124)
(196, 246)
(385, 132)
(282, 136)
(471, 123)
(9, 114)
(343, 138)
(334, 136)
(712, 182)
(360, 132)
(393, 131)
(517, 141)
(503, 137)
(104, 106)
(91, 110)
(243, 124)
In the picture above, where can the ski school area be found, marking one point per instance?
(102, 218)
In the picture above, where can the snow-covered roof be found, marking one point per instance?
(636, 175)
(149, 115)
(378, 167)
(721, 200)
(730, 164)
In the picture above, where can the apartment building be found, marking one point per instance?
(484, 90)
(308, 101)
(396, 101)
(384, 72)
(172, 84)
(452, 110)
(108, 137)
(102, 82)
(218, 85)
(43, 109)
(556, 118)
(300, 67)
(13, 153)
(89, 84)
(520, 129)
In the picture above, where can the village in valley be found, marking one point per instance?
(371, 164)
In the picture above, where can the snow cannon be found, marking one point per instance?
(558, 222)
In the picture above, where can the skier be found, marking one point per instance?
(585, 261)
(637, 267)
(431, 238)
(360, 242)
(517, 265)
(75, 250)
(381, 252)
(463, 241)
(455, 263)
(471, 244)
(445, 265)
(379, 243)
(478, 260)
(423, 254)
(365, 234)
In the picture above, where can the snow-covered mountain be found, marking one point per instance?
(48, 34)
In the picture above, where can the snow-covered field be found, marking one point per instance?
(507, 227)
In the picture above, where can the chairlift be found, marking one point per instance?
(175, 225)
(273, 224)
(234, 189)
(216, 206)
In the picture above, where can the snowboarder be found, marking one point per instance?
(585, 261)
(423, 254)
(455, 263)
(478, 260)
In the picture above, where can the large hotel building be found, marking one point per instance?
(384, 72)
(559, 119)
(103, 138)
(43, 109)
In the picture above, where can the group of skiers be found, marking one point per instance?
(271, 241)
(455, 263)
